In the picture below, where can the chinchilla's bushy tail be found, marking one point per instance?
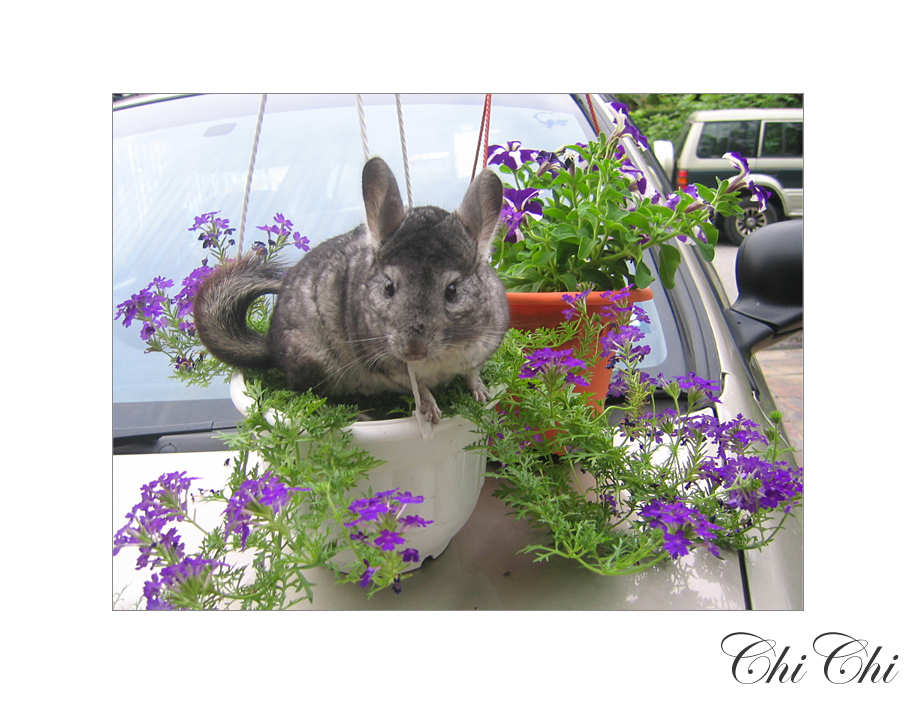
(221, 310)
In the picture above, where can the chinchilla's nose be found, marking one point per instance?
(416, 348)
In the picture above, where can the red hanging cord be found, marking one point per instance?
(591, 109)
(484, 135)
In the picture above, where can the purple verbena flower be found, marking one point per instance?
(692, 381)
(301, 242)
(682, 526)
(548, 360)
(755, 483)
(161, 501)
(366, 577)
(414, 522)
(184, 300)
(410, 555)
(255, 500)
(389, 539)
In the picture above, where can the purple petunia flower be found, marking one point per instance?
(518, 204)
(512, 155)
(758, 195)
(739, 162)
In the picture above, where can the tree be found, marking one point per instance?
(663, 115)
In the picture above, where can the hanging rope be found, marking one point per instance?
(397, 100)
(254, 151)
(591, 109)
(484, 135)
(364, 135)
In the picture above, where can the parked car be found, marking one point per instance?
(175, 157)
(771, 139)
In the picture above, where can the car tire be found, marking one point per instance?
(738, 227)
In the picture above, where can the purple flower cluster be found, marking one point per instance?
(161, 501)
(282, 230)
(191, 284)
(214, 232)
(192, 573)
(254, 501)
(754, 483)
(622, 335)
(381, 516)
(683, 527)
(149, 306)
(694, 384)
(549, 361)
(155, 309)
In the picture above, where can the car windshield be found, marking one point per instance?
(176, 159)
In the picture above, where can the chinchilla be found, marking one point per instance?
(410, 287)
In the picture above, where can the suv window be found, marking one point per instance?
(717, 138)
(782, 139)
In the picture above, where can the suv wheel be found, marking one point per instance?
(738, 227)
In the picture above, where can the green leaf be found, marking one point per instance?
(711, 232)
(706, 194)
(643, 275)
(569, 281)
(602, 281)
(565, 249)
(707, 250)
(668, 261)
(637, 219)
(556, 213)
(586, 246)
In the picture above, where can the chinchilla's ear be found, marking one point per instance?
(384, 208)
(480, 209)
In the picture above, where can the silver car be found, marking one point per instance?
(176, 157)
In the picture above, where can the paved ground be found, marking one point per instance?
(782, 364)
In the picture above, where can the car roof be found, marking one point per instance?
(746, 114)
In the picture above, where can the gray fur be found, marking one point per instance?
(411, 286)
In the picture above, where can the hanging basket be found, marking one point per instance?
(441, 469)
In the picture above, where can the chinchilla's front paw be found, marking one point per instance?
(430, 409)
(477, 388)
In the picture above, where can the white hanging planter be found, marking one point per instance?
(440, 469)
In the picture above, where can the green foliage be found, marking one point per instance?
(663, 115)
(597, 223)
(624, 489)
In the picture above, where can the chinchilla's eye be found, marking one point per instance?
(389, 288)
(451, 292)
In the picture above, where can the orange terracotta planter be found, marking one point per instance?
(529, 311)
